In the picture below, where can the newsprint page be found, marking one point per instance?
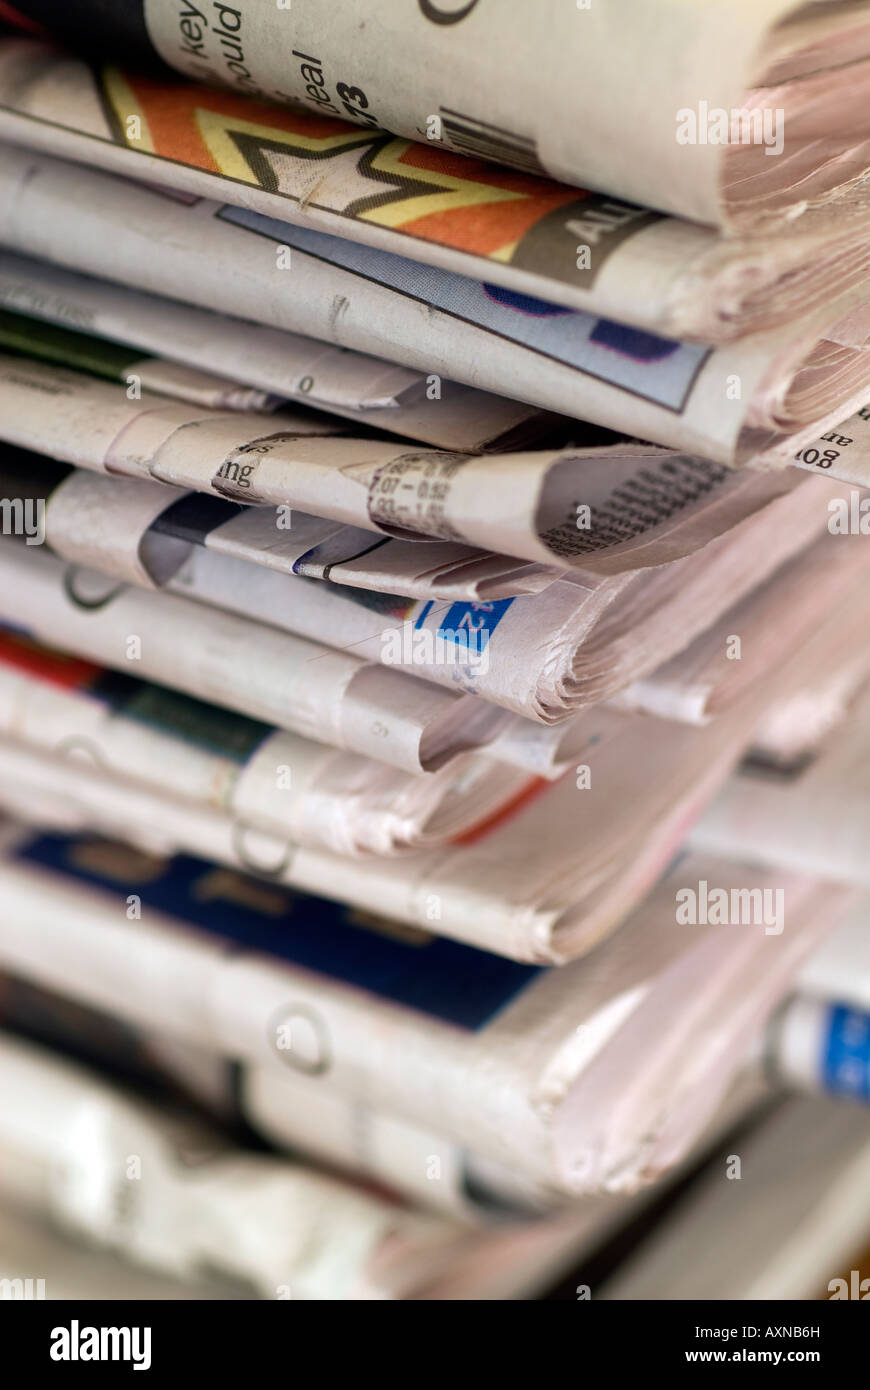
(434, 676)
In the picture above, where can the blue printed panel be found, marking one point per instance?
(846, 1060)
(455, 983)
(657, 369)
(472, 624)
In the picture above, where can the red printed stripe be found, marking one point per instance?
(535, 788)
(54, 668)
(21, 21)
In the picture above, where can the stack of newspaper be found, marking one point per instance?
(433, 602)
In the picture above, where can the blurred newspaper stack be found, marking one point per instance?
(434, 607)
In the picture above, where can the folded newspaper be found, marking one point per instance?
(761, 399)
(544, 656)
(30, 336)
(609, 509)
(512, 228)
(305, 792)
(543, 881)
(558, 104)
(218, 1222)
(152, 527)
(165, 1192)
(290, 1109)
(730, 656)
(793, 730)
(814, 812)
(434, 680)
(565, 1076)
(175, 335)
(582, 639)
(299, 1115)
